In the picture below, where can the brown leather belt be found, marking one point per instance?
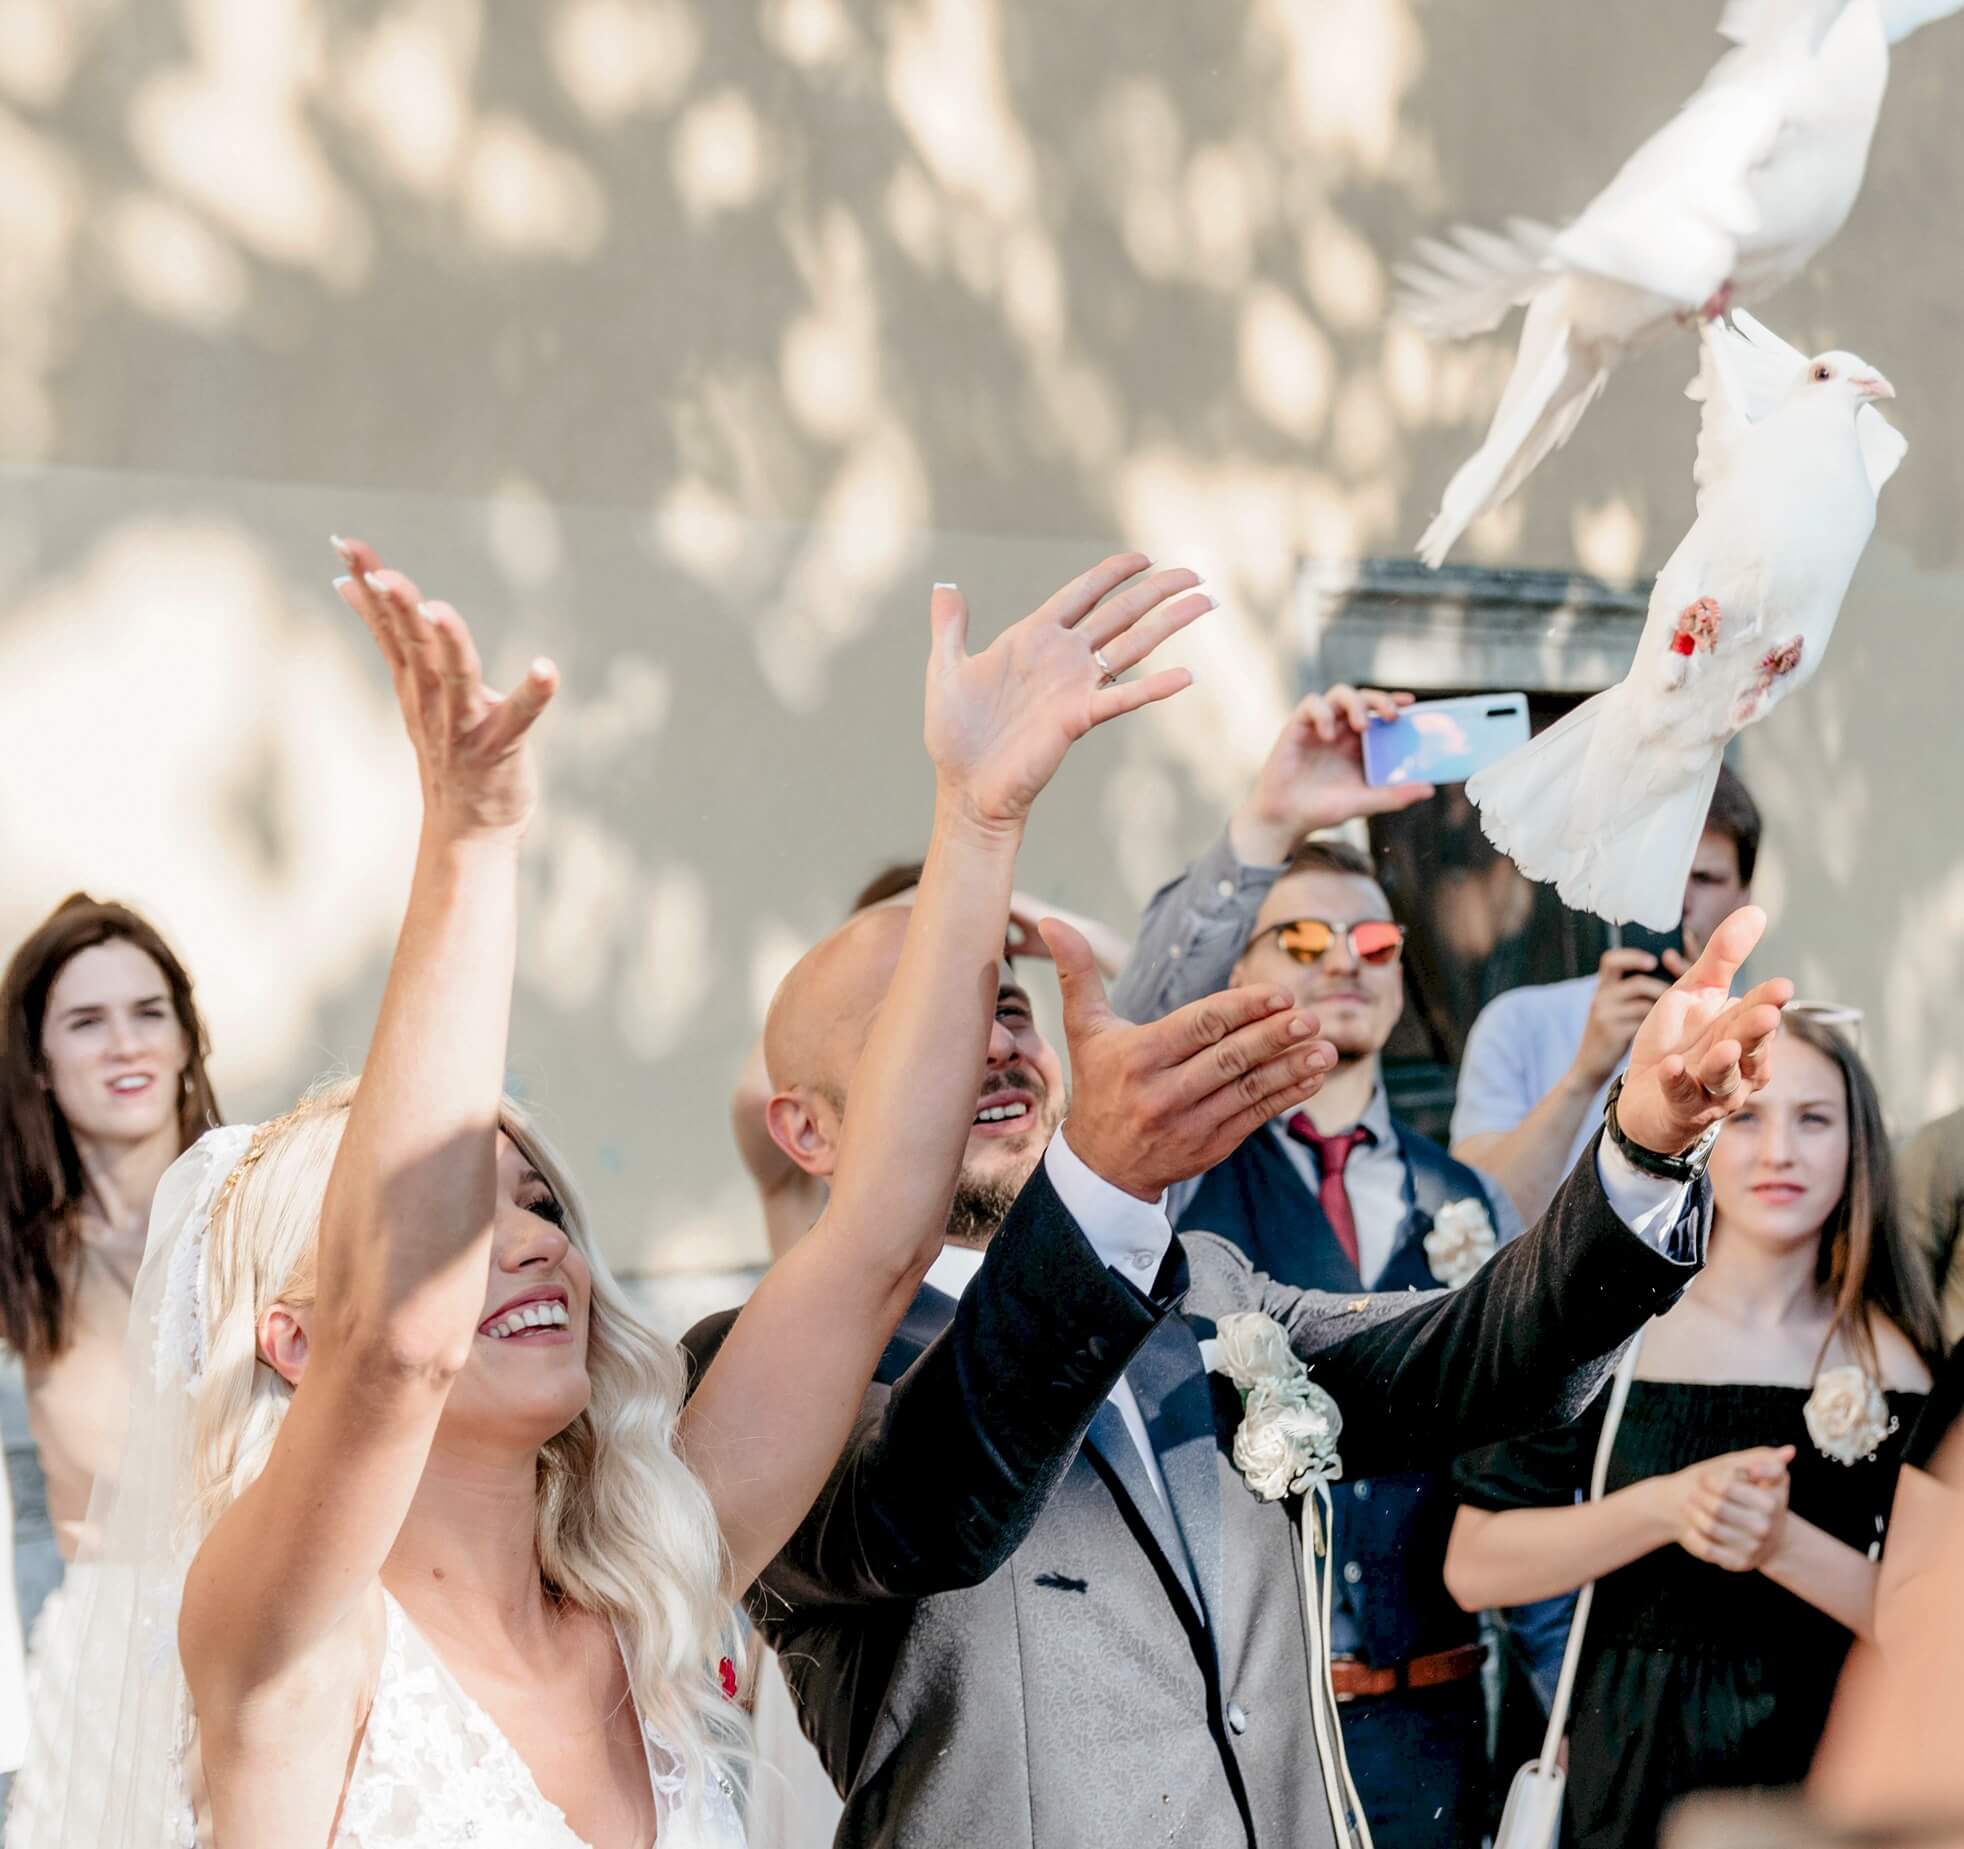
(1353, 1678)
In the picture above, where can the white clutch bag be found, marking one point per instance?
(1534, 1808)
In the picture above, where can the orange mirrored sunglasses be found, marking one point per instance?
(1303, 940)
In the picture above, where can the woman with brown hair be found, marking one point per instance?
(1734, 1551)
(102, 1087)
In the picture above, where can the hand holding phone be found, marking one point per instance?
(1444, 741)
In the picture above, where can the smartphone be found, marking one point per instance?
(1641, 937)
(1444, 741)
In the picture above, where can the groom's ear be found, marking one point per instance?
(283, 1342)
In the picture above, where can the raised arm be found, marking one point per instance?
(1196, 926)
(941, 1480)
(405, 1229)
(1528, 1154)
(1526, 1343)
(775, 1406)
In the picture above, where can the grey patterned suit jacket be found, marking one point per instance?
(999, 1636)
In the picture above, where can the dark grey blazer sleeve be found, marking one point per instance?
(948, 1468)
(1522, 1347)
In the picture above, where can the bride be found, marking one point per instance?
(414, 1543)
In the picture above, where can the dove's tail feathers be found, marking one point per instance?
(1468, 281)
(1552, 384)
(1568, 811)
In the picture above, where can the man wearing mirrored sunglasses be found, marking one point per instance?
(1342, 1196)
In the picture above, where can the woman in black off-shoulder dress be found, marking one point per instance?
(1751, 1476)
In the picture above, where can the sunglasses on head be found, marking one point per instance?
(1303, 940)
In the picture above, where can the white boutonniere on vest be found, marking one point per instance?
(1286, 1445)
(1847, 1415)
(1460, 1242)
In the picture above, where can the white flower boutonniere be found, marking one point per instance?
(1847, 1415)
(1460, 1242)
(1287, 1439)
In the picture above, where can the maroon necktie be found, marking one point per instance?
(1332, 1152)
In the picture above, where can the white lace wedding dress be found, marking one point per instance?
(434, 1770)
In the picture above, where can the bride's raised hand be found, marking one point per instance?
(473, 745)
(1000, 722)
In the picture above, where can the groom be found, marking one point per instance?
(1037, 1604)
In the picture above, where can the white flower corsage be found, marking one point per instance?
(1287, 1439)
(1847, 1415)
(1460, 1242)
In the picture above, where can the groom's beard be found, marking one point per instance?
(981, 1204)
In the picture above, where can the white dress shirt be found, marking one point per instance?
(1131, 1236)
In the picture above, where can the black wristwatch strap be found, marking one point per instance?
(1688, 1167)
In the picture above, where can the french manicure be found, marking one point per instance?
(341, 546)
(341, 583)
(946, 585)
(373, 579)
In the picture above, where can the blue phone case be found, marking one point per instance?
(1444, 741)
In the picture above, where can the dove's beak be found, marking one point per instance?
(1874, 385)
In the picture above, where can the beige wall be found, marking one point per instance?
(689, 341)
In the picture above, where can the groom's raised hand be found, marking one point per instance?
(1699, 1055)
(1157, 1104)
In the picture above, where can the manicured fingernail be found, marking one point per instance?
(945, 585)
(341, 546)
(542, 669)
(426, 613)
(341, 583)
(373, 579)
(1213, 602)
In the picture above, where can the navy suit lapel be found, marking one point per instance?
(1177, 1402)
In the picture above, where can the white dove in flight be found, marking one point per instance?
(1736, 193)
(1609, 802)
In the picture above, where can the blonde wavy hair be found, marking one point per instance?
(623, 1526)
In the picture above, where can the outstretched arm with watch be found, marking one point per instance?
(1528, 1341)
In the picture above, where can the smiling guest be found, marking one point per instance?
(1750, 1476)
(102, 1087)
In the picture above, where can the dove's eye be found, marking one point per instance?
(1824, 372)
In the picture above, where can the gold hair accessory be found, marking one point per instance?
(262, 1139)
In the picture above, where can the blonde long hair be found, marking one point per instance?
(623, 1526)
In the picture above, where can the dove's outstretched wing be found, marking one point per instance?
(1902, 17)
(1672, 219)
(1728, 387)
(1803, 23)
(1883, 445)
(1806, 22)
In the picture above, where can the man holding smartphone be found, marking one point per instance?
(1540, 1060)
